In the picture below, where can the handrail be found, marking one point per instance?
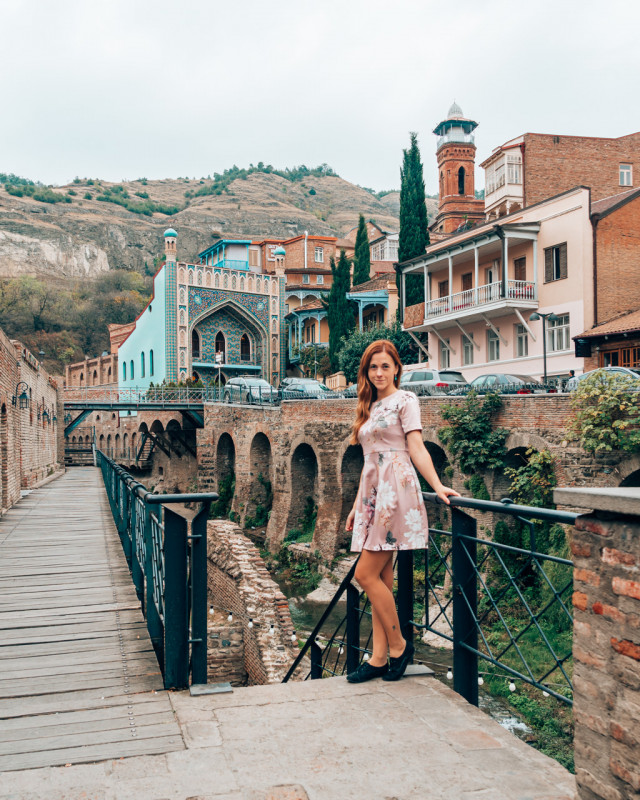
(477, 587)
(168, 565)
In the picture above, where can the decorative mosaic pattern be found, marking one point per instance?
(170, 295)
(201, 299)
(232, 327)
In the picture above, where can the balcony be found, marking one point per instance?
(472, 303)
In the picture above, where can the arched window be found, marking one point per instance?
(131, 370)
(245, 348)
(142, 365)
(124, 370)
(109, 375)
(441, 185)
(95, 377)
(195, 344)
(461, 174)
(221, 346)
(81, 378)
(150, 362)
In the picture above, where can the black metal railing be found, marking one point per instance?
(493, 601)
(168, 564)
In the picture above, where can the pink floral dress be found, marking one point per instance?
(390, 512)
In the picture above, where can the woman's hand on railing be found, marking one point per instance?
(444, 493)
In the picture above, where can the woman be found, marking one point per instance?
(388, 514)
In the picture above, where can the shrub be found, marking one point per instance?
(87, 195)
(470, 436)
(607, 413)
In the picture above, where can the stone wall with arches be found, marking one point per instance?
(304, 449)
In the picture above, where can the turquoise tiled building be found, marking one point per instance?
(219, 306)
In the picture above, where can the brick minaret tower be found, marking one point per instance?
(456, 155)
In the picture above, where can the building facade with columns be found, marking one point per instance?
(221, 305)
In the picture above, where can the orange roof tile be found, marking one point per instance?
(627, 323)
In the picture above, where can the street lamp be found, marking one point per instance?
(23, 398)
(544, 317)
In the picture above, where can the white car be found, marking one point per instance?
(633, 374)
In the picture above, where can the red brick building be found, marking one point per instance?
(535, 166)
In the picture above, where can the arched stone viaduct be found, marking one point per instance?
(303, 448)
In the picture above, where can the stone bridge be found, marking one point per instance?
(303, 449)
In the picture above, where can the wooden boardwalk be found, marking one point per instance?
(79, 680)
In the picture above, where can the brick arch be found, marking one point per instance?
(260, 463)
(629, 471)
(303, 469)
(225, 455)
(350, 469)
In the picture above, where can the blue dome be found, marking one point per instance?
(280, 251)
(169, 232)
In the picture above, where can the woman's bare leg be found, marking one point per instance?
(371, 566)
(380, 643)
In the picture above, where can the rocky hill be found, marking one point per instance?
(90, 230)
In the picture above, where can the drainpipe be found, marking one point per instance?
(306, 235)
(595, 219)
(503, 281)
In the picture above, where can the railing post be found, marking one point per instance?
(199, 596)
(405, 592)
(353, 628)
(176, 612)
(154, 622)
(465, 602)
(316, 661)
(124, 495)
(136, 509)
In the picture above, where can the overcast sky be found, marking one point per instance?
(120, 89)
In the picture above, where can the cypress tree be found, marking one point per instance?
(339, 312)
(362, 255)
(414, 235)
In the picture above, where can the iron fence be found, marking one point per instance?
(168, 564)
(504, 604)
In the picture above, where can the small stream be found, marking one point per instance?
(306, 613)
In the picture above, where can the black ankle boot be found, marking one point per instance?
(399, 665)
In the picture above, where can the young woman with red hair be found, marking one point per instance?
(388, 514)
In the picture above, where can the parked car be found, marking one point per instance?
(249, 390)
(632, 374)
(432, 381)
(507, 383)
(295, 388)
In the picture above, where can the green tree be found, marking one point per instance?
(316, 361)
(354, 346)
(339, 312)
(362, 255)
(414, 234)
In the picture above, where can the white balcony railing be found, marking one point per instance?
(482, 296)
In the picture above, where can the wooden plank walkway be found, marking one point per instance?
(79, 680)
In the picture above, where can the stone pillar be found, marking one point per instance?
(606, 645)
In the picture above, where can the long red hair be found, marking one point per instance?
(367, 392)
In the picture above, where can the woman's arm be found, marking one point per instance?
(423, 463)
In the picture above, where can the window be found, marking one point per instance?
(305, 279)
(443, 288)
(124, 371)
(467, 281)
(245, 348)
(319, 278)
(493, 346)
(444, 354)
(131, 370)
(461, 175)
(142, 365)
(254, 258)
(467, 351)
(195, 344)
(558, 333)
(626, 176)
(522, 341)
(221, 345)
(150, 362)
(520, 269)
(319, 255)
(555, 263)
(513, 169)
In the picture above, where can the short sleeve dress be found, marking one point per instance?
(390, 512)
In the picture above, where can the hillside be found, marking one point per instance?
(84, 236)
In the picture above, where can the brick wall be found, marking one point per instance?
(30, 446)
(554, 164)
(305, 447)
(618, 261)
(606, 653)
(101, 371)
(225, 651)
(239, 582)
